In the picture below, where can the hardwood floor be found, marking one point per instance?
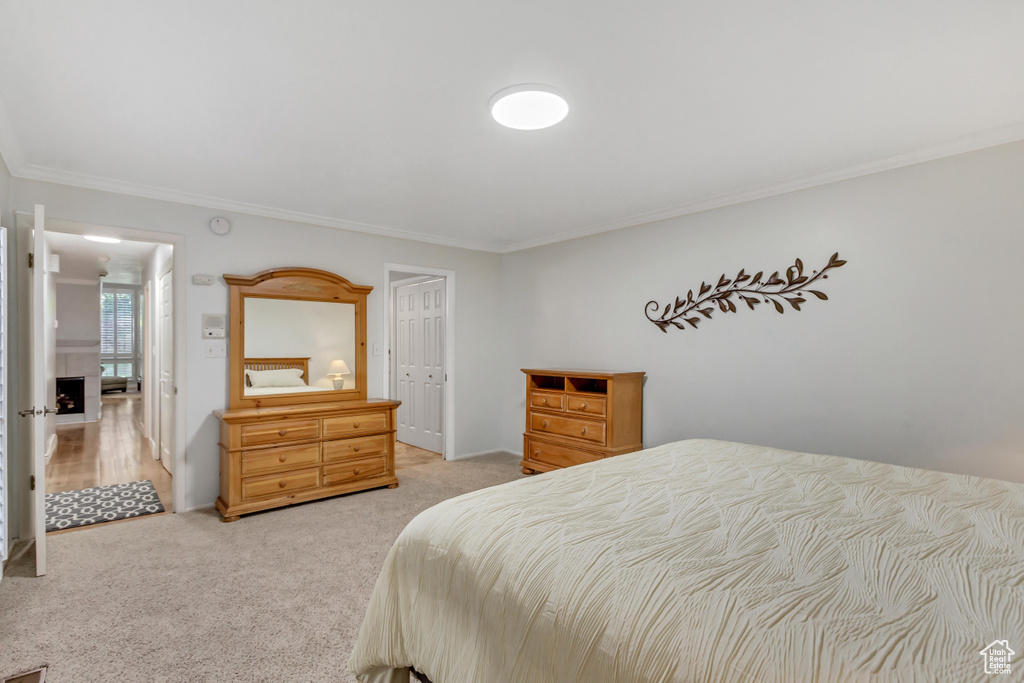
(111, 451)
(410, 456)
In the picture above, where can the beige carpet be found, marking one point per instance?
(274, 597)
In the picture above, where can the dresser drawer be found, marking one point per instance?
(585, 405)
(547, 401)
(278, 484)
(587, 430)
(559, 456)
(281, 458)
(354, 424)
(362, 447)
(278, 432)
(353, 470)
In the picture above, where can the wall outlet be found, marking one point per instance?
(215, 349)
(202, 279)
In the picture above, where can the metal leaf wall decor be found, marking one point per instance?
(747, 289)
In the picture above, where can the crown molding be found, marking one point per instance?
(91, 182)
(967, 143)
(12, 154)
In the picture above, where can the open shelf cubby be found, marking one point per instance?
(587, 385)
(547, 382)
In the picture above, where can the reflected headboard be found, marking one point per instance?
(277, 364)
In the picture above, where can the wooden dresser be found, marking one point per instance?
(271, 457)
(296, 429)
(577, 416)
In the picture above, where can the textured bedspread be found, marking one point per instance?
(705, 561)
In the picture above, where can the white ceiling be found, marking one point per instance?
(373, 115)
(83, 260)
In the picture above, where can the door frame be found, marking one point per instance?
(180, 479)
(449, 341)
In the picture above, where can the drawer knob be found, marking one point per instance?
(545, 401)
(283, 457)
(355, 448)
(281, 483)
(583, 407)
(584, 431)
(355, 471)
(536, 453)
(282, 432)
(544, 423)
(355, 425)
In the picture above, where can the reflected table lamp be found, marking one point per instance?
(335, 372)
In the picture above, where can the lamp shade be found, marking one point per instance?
(338, 367)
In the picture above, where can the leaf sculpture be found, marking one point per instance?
(743, 289)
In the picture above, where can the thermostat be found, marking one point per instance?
(213, 326)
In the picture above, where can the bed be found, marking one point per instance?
(704, 561)
(265, 364)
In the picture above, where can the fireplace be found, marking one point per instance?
(70, 395)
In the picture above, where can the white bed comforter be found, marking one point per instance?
(705, 561)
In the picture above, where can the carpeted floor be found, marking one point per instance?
(274, 597)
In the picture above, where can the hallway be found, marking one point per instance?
(111, 451)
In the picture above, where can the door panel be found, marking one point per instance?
(37, 325)
(166, 361)
(420, 342)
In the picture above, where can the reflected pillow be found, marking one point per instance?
(288, 377)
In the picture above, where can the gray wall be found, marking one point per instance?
(916, 359)
(257, 243)
(78, 312)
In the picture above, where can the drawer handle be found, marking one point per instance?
(545, 401)
(536, 453)
(544, 423)
(282, 432)
(584, 431)
(583, 407)
(283, 457)
(281, 483)
(355, 425)
(355, 448)
(355, 471)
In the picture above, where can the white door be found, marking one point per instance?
(420, 326)
(3, 397)
(37, 347)
(166, 317)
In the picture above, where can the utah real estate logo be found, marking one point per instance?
(997, 657)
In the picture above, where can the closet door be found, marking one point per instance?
(420, 326)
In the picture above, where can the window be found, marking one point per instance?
(119, 325)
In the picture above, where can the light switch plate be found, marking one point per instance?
(376, 348)
(217, 348)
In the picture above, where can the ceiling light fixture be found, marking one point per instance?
(529, 106)
(101, 238)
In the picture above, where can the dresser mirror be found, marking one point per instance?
(298, 335)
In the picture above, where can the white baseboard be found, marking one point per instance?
(51, 447)
(466, 456)
(197, 508)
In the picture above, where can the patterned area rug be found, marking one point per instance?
(72, 509)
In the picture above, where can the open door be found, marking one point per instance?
(38, 411)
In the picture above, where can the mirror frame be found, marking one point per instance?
(295, 284)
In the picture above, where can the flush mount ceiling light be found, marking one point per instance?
(529, 106)
(101, 238)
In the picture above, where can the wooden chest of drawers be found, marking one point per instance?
(271, 457)
(577, 416)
